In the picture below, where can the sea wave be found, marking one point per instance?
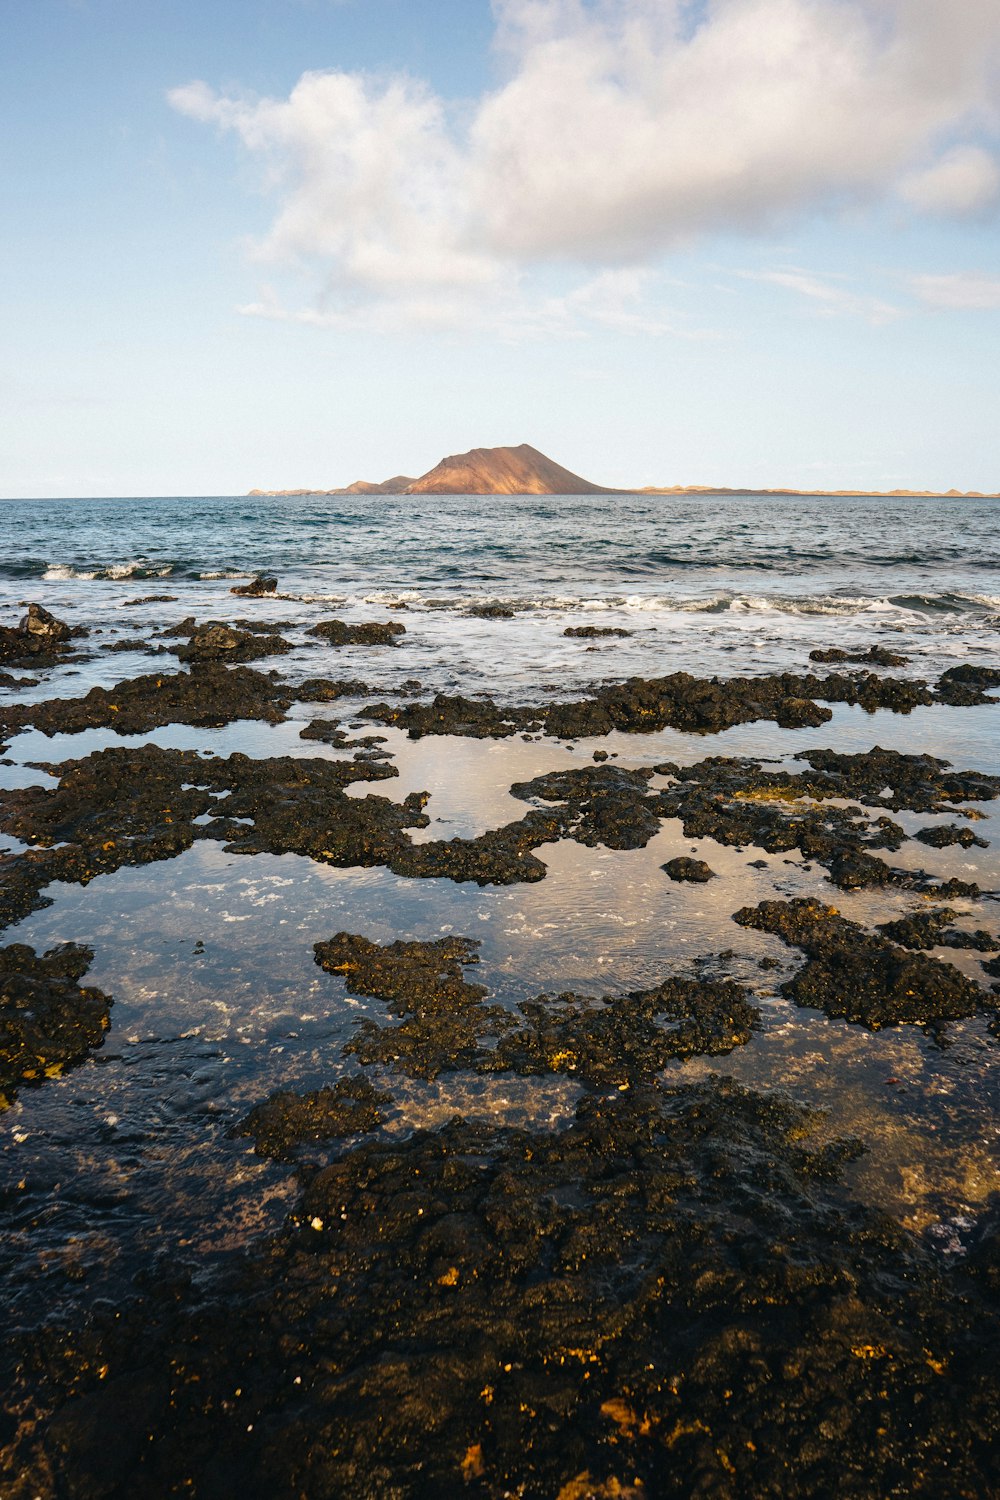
(64, 572)
(905, 608)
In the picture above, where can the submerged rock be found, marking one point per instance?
(287, 1120)
(493, 611)
(853, 974)
(594, 632)
(47, 1021)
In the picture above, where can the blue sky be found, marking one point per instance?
(282, 242)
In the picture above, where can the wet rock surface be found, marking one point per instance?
(671, 1297)
(934, 929)
(218, 642)
(739, 802)
(125, 806)
(681, 701)
(491, 612)
(876, 656)
(131, 807)
(337, 633)
(853, 974)
(38, 640)
(683, 868)
(288, 1120)
(210, 695)
(258, 588)
(617, 1041)
(595, 632)
(673, 1294)
(47, 1021)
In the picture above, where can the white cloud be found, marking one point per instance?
(960, 291)
(964, 182)
(623, 129)
(832, 297)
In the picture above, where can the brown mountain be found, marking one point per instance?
(502, 471)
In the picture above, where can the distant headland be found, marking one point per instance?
(525, 471)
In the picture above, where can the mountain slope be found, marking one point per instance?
(502, 471)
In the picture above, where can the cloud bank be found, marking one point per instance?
(621, 129)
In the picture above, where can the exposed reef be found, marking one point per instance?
(615, 1042)
(853, 974)
(680, 701)
(47, 1021)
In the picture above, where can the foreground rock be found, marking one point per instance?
(855, 975)
(47, 1022)
(672, 1297)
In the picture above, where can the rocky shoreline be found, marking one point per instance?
(674, 1293)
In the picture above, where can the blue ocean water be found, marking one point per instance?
(699, 580)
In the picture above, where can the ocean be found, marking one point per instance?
(125, 1173)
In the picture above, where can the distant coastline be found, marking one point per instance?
(523, 470)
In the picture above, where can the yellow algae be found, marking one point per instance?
(472, 1464)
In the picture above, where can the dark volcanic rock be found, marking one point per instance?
(444, 1018)
(680, 701)
(286, 1120)
(967, 685)
(943, 835)
(685, 868)
(39, 640)
(130, 807)
(875, 656)
(490, 612)
(615, 1042)
(852, 973)
(47, 1021)
(216, 642)
(208, 695)
(933, 929)
(259, 588)
(622, 1041)
(593, 632)
(674, 1297)
(337, 633)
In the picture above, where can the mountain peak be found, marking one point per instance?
(521, 470)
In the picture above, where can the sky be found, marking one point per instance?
(279, 243)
